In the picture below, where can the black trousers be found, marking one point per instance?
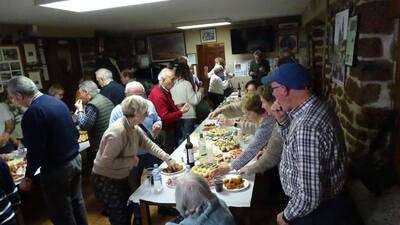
(216, 99)
(331, 212)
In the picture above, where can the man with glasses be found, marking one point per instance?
(169, 113)
(312, 168)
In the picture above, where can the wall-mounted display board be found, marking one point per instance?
(10, 64)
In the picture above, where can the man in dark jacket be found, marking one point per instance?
(52, 142)
(109, 88)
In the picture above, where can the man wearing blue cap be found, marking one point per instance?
(312, 168)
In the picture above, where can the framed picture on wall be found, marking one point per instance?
(10, 63)
(208, 35)
(167, 47)
(140, 46)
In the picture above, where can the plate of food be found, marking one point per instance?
(83, 136)
(172, 171)
(234, 183)
(227, 144)
(235, 153)
(171, 182)
(208, 126)
(206, 171)
(17, 168)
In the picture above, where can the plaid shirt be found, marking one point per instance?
(312, 168)
(87, 119)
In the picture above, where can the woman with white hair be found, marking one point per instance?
(198, 205)
(117, 155)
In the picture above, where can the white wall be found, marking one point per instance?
(192, 38)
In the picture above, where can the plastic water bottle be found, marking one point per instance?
(187, 168)
(157, 179)
(202, 149)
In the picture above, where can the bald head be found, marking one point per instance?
(134, 88)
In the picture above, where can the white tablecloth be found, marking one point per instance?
(232, 199)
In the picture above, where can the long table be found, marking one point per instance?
(145, 196)
(82, 146)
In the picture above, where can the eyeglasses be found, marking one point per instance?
(280, 86)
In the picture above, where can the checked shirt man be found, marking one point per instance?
(312, 169)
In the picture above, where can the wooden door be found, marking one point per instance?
(206, 54)
(63, 62)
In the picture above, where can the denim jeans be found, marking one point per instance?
(62, 190)
(187, 127)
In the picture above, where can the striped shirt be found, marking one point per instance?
(9, 197)
(312, 167)
(257, 143)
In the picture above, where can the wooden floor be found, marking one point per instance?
(263, 210)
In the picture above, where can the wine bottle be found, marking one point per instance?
(239, 91)
(189, 152)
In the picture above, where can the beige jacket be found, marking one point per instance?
(271, 156)
(235, 110)
(118, 149)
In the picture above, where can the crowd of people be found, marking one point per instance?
(129, 131)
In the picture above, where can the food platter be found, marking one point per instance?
(227, 144)
(170, 171)
(171, 182)
(17, 168)
(208, 126)
(83, 136)
(235, 183)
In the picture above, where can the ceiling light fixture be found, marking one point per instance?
(203, 24)
(90, 5)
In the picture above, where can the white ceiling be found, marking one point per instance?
(150, 16)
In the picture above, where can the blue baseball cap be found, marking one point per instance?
(290, 75)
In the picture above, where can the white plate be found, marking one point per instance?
(171, 186)
(245, 185)
(170, 174)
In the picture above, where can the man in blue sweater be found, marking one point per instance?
(51, 139)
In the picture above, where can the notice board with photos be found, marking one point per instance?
(10, 64)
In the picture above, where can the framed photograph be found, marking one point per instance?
(36, 78)
(10, 54)
(4, 67)
(288, 26)
(30, 54)
(192, 58)
(167, 47)
(5, 77)
(140, 46)
(351, 40)
(15, 66)
(288, 41)
(339, 73)
(208, 35)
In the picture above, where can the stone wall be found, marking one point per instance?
(365, 102)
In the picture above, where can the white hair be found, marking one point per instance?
(133, 105)
(191, 194)
(218, 69)
(133, 85)
(163, 74)
(90, 87)
(104, 73)
(22, 85)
